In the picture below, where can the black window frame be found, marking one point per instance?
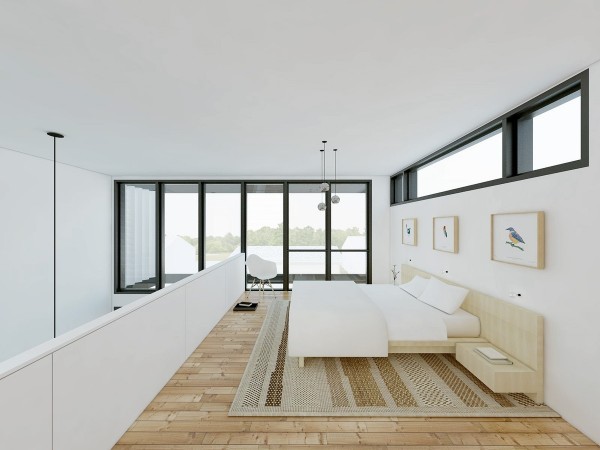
(159, 211)
(512, 150)
(118, 230)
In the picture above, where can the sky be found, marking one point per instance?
(556, 140)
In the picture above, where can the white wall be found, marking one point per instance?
(83, 389)
(26, 400)
(26, 252)
(84, 250)
(381, 230)
(565, 292)
(84, 267)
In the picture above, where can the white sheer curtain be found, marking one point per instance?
(139, 236)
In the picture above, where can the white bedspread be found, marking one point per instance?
(334, 318)
(405, 314)
(407, 318)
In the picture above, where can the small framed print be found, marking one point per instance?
(409, 231)
(445, 234)
(518, 238)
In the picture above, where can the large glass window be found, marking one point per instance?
(551, 135)
(349, 232)
(180, 241)
(546, 135)
(202, 223)
(396, 194)
(264, 225)
(306, 266)
(306, 233)
(137, 258)
(557, 133)
(473, 163)
(307, 223)
(349, 266)
(222, 222)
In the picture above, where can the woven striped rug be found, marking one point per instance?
(400, 385)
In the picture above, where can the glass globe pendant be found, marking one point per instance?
(324, 186)
(335, 199)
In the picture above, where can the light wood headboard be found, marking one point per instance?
(514, 329)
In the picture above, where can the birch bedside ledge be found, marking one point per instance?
(500, 378)
(509, 328)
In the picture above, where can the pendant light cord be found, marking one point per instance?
(322, 170)
(324, 161)
(54, 228)
(335, 169)
(54, 135)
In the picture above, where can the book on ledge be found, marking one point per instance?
(492, 355)
(245, 306)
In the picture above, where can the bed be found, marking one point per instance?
(401, 309)
(333, 318)
(344, 319)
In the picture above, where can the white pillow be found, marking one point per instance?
(416, 286)
(443, 296)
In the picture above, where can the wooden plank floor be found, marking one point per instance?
(191, 413)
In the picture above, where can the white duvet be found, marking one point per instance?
(341, 318)
(407, 318)
(399, 307)
(335, 318)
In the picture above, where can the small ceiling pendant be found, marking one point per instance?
(324, 186)
(335, 199)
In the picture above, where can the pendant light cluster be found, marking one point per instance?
(335, 199)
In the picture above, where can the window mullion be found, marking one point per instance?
(509, 149)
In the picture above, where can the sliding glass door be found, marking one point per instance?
(222, 221)
(168, 230)
(180, 242)
(306, 235)
(349, 243)
(264, 225)
(137, 232)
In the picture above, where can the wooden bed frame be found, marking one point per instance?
(512, 329)
(509, 327)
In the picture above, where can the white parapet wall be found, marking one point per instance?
(83, 389)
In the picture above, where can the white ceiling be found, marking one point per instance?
(234, 88)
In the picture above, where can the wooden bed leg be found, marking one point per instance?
(301, 362)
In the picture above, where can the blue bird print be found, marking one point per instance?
(445, 232)
(515, 238)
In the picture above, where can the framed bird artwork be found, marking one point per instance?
(518, 238)
(409, 231)
(445, 234)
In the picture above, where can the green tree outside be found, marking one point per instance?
(267, 236)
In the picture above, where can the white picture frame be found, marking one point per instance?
(519, 238)
(409, 231)
(445, 234)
